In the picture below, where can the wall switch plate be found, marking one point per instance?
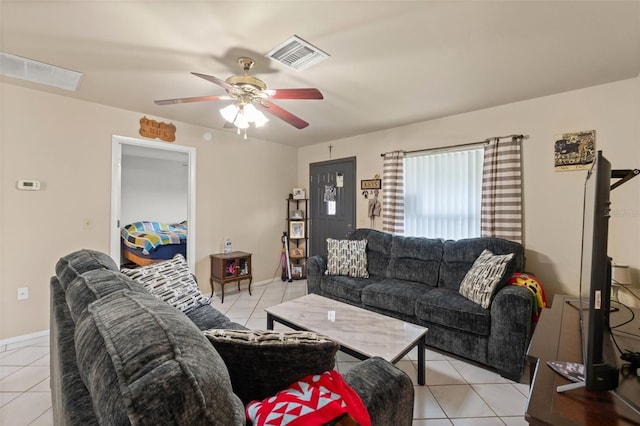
(23, 293)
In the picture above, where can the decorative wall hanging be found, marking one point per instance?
(155, 129)
(575, 151)
(299, 194)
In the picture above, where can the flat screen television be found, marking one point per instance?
(599, 354)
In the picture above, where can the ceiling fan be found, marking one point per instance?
(250, 92)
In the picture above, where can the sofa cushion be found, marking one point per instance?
(378, 249)
(261, 363)
(206, 317)
(144, 362)
(459, 256)
(481, 281)
(79, 262)
(170, 281)
(452, 310)
(415, 259)
(394, 295)
(347, 257)
(93, 285)
(346, 288)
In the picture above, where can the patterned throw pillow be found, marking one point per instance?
(484, 276)
(347, 257)
(261, 363)
(170, 281)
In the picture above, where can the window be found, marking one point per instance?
(443, 193)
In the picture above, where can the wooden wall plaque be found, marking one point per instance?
(155, 129)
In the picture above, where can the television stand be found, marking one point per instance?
(557, 337)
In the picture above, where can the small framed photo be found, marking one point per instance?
(296, 252)
(297, 271)
(296, 229)
(299, 194)
(297, 214)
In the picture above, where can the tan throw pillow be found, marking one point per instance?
(347, 257)
(481, 281)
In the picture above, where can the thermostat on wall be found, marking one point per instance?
(29, 185)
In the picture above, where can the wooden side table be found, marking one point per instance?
(230, 267)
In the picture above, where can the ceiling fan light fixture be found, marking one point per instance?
(229, 112)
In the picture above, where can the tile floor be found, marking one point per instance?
(457, 393)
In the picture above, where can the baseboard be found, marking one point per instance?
(18, 339)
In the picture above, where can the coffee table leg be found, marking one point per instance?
(269, 321)
(421, 373)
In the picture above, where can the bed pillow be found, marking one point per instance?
(483, 279)
(170, 281)
(261, 363)
(347, 257)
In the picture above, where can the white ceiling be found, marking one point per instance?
(392, 62)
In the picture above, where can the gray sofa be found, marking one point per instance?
(418, 279)
(119, 355)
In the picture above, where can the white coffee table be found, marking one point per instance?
(360, 333)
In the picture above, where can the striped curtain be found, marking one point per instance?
(393, 192)
(501, 214)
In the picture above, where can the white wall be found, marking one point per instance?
(153, 189)
(66, 144)
(552, 200)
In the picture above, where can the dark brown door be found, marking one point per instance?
(332, 194)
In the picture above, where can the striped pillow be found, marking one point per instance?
(170, 281)
(481, 281)
(347, 257)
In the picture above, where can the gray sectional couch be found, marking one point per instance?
(418, 279)
(121, 356)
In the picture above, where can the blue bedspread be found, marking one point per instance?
(148, 235)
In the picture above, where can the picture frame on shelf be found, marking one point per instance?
(299, 194)
(296, 229)
(296, 271)
(297, 214)
(296, 252)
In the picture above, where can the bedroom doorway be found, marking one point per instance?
(130, 156)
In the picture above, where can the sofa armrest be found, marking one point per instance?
(385, 390)
(511, 326)
(315, 265)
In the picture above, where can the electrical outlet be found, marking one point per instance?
(23, 293)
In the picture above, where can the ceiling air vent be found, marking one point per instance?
(297, 54)
(38, 72)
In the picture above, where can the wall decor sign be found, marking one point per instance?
(371, 184)
(575, 151)
(156, 129)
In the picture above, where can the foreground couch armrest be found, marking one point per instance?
(316, 265)
(386, 391)
(511, 320)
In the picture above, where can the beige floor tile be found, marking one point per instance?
(23, 356)
(431, 422)
(514, 421)
(6, 397)
(486, 421)
(473, 374)
(442, 373)
(425, 406)
(24, 379)
(25, 409)
(504, 399)
(459, 401)
(6, 370)
(46, 419)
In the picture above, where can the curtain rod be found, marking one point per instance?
(462, 144)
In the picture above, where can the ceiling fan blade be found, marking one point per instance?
(309, 93)
(282, 114)
(215, 80)
(194, 99)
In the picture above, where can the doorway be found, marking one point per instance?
(332, 194)
(129, 158)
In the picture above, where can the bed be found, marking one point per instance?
(147, 242)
